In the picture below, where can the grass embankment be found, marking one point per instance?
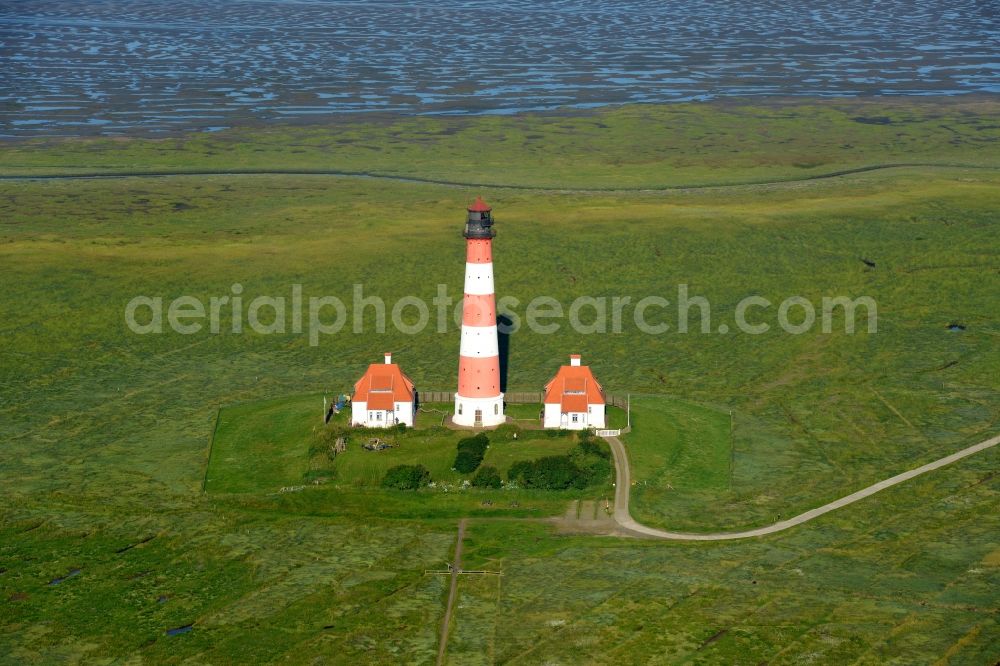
(263, 445)
(105, 433)
(283, 443)
(639, 146)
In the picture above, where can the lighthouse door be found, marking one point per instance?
(479, 417)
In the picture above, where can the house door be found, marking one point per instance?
(479, 417)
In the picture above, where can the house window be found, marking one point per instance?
(576, 418)
(378, 416)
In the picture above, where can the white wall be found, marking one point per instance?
(404, 413)
(596, 417)
(492, 409)
(359, 413)
(553, 418)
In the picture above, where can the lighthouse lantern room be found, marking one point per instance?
(479, 401)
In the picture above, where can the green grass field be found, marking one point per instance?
(528, 413)
(263, 445)
(681, 458)
(106, 433)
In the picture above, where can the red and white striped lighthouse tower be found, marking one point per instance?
(479, 401)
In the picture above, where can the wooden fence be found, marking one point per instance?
(530, 398)
(514, 398)
(424, 397)
(617, 400)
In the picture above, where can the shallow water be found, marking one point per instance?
(120, 66)
(61, 579)
(176, 631)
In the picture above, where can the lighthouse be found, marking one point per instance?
(479, 401)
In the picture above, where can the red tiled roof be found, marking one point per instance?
(479, 206)
(382, 385)
(574, 403)
(384, 401)
(573, 386)
(382, 381)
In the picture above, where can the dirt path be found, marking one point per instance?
(623, 482)
(453, 183)
(456, 567)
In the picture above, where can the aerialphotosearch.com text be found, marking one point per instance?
(237, 312)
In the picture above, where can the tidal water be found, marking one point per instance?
(142, 66)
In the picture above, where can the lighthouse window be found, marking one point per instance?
(459, 409)
(496, 409)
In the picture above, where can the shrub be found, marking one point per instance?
(471, 451)
(589, 447)
(507, 431)
(587, 464)
(518, 470)
(487, 477)
(476, 442)
(406, 477)
(593, 461)
(554, 473)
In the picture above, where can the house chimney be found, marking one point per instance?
(574, 359)
(388, 358)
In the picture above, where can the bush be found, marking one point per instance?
(587, 464)
(507, 431)
(593, 461)
(554, 473)
(477, 442)
(406, 477)
(487, 477)
(589, 447)
(518, 470)
(471, 451)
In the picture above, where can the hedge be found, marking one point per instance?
(406, 477)
(471, 451)
(587, 464)
(487, 477)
